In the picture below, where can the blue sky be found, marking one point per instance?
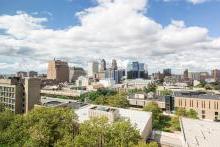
(61, 12)
(177, 34)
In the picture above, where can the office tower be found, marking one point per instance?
(32, 74)
(21, 74)
(93, 68)
(115, 74)
(114, 64)
(167, 72)
(103, 65)
(20, 95)
(58, 70)
(76, 72)
(185, 74)
(135, 70)
(215, 73)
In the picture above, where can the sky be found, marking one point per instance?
(175, 34)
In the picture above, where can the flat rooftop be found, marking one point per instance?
(137, 118)
(200, 133)
(104, 108)
(199, 95)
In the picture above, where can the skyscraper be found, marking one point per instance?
(185, 74)
(136, 70)
(103, 65)
(58, 70)
(93, 68)
(167, 72)
(114, 64)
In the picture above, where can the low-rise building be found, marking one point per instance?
(207, 105)
(139, 119)
(166, 103)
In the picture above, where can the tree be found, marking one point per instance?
(92, 132)
(40, 127)
(48, 125)
(143, 144)
(97, 132)
(180, 112)
(118, 100)
(122, 133)
(192, 114)
(175, 123)
(156, 113)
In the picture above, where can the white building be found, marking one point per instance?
(140, 119)
(107, 82)
(93, 68)
(137, 83)
(82, 82)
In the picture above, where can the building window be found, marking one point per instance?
(203, 116)
(203, 111)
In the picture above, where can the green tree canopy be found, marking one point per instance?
(97, 132)
(156, 112)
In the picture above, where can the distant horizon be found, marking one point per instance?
(176, 34)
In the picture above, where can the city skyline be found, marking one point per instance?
(88, 30)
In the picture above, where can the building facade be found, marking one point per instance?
(20, 95)
(206, 105)
(58, 70)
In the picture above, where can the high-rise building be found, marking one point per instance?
(102, 65)
(186, 74)
(76, 72)
(115, 74)
(93, 68)
(136, 70)
(114, 64)
(22, 74)
(58, 70)
(167, 72)
(215, 73)
(20, 95)
(32, 74)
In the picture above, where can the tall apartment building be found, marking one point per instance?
(205, 104)
(20, 95)
(58, 70)
(215, 73)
